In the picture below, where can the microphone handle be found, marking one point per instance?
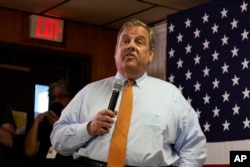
(113, 100)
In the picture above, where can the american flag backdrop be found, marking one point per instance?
(208, 59)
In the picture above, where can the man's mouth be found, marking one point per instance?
(130, 55)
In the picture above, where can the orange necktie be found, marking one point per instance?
(118, 144)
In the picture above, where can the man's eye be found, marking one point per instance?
(125, 41)
(140, 42)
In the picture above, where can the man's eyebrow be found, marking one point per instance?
(124, 35)
(139, 36)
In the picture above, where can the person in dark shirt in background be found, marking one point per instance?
(37, 144)
(7, 134)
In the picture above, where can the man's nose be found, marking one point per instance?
(131, 45)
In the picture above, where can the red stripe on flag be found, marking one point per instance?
(216, 165)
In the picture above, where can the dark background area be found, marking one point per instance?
(21, 68)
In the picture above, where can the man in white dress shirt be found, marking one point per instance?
(164, 128)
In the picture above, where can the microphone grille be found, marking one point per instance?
(118, 84)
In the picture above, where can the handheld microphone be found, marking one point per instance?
(115, 94)
(112, 103)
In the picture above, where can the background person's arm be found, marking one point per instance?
(7, 133)
(31, 143)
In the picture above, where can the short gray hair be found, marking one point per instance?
(136, 22)
(63, 84)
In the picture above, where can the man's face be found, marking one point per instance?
(59, 96)
(133, 53)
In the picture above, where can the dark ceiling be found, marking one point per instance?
(107, 13)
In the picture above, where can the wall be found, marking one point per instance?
(95, 41)
(158, 67)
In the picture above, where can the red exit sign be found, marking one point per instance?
(46, 28)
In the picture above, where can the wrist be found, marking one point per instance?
(89, 128)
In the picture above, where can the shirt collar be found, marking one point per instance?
(138, 81)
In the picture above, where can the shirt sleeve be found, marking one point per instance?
(68, 133)
(191, 142)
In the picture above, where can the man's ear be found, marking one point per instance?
(151, 55)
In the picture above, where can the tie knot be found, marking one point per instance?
(130, 82)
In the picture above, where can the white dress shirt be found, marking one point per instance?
(164, 127)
